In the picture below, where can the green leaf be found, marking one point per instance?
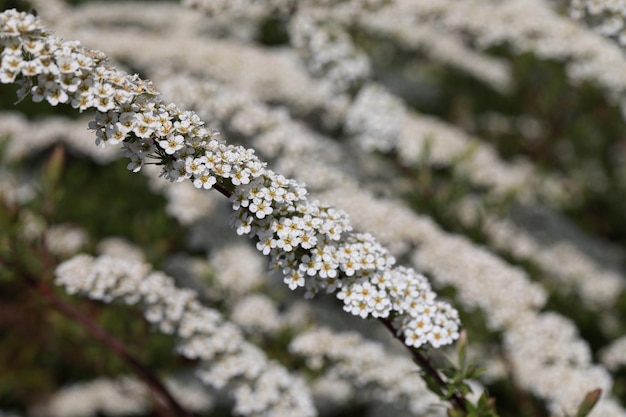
(590, 400)
(453, 412)
(53, 167)
(473, 373)
(462, 349)
(433, 385)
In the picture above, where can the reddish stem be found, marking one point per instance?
(101, 335)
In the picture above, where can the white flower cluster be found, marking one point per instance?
(492, 277)
(397, 227)
(606, 17)
(380, 120)
(121, 396)
(376, 118)
(393, 24)
(365, 365)
(65, 239)
(260, 387)
(555, 245)
(307, 241)
(15, 190)
(587, 55)
(279, 76)
(502, 291)
(237, 269)
(476, 161)
(45, 132)
(493, 285)
(614, 355)
(510, 300)
(273, 132)
(328, 52)
(257, 313)
(545, 351)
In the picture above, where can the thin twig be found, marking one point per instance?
(101, 335)
(427, 366)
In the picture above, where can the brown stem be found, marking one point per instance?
(223, 190)
(427, 366)
(101, 335)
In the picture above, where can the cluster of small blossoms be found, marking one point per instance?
(260, 386)
(121, 396)
(587, 55)
(564, 253)
(328, 49)
(376, 118)
(388, 221)
(393, 23)
(257, 9)
(549, 359)
(305, 241)
(64, 72)
(65, 239)
(606, 17)
(361, 297)
(309, 242)
(237, 269)
(46, 132)
(366, 366)
(614, 355)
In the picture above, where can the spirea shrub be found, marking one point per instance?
(313, 206)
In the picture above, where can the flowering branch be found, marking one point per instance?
(261, 387)
(432, 372)
(101, 335)
(309, 242)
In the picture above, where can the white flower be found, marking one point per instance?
(294, 279)
(261, 208)
(266, 245)
(205, 181)
(172, 143)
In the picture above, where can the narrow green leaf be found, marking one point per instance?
(433, 385)
(54, 166)
(473, 373)
(462, 349)
(590, 400)
(453, 412)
